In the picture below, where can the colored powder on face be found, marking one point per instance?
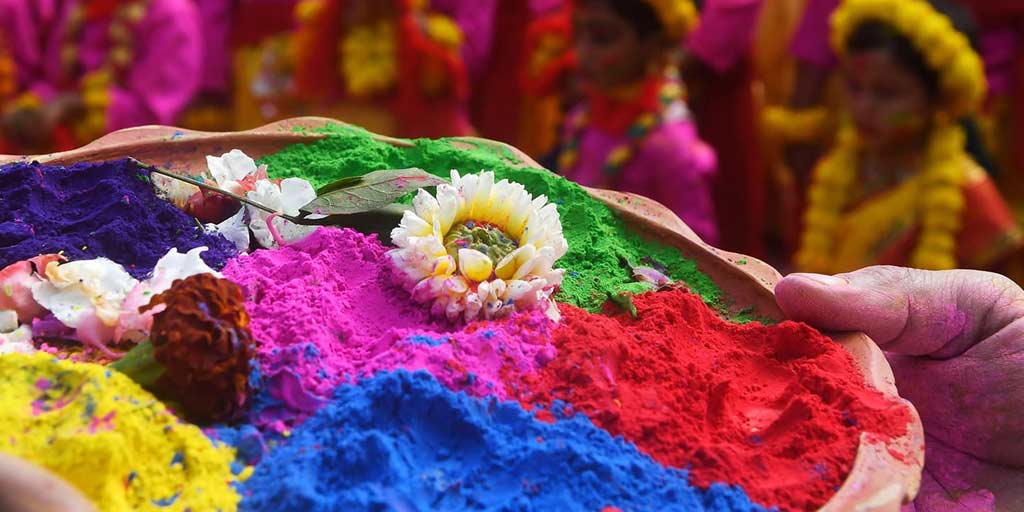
(326, 311)
(598, 239)
(109, 438)
(402, 441)
(777, 410)
(92, 210)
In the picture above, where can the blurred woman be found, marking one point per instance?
(898, 187)
(633, 131)
(104, 65)
(398, 67)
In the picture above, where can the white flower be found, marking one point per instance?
(131, 324)
(177, 191)
(480, 249)
(8, 320)
(14, 340)
(286, 198)
(234, 229)
(79, 289)
(231, 168)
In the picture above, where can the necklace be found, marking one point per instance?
(670, 107)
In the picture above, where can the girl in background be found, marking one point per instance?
(633, 131)
(898, 187)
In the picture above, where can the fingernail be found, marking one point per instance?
(822, 279)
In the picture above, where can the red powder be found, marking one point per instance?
(776, 409)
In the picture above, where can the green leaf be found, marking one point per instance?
(369, 192)
(350, 181)
(140, 365)
(624, 301)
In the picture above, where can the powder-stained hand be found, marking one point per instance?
(955, 340)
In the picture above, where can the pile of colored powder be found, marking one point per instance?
(777, 410)
(109, 438)
(91, 210)
(402, 441)
(598, 240)
(326, 311)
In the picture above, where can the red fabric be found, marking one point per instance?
(547, 80)
(988, 234)
(315, 50)
(613, 115)
(727, 120)
(97, 10)
(256, 20)
(778, 410)
(497, 97)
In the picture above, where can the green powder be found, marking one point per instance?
(599, 241)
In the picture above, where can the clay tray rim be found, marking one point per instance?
(878, 481)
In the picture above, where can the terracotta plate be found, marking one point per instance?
(878, 482)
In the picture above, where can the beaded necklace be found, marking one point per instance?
(670, 108)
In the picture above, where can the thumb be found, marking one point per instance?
(912, 312)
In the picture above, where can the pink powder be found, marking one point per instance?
(326, 311)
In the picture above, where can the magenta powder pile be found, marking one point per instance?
(326, 311)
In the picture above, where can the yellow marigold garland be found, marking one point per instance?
(788, 125)
(678, 16)
(946, 50)
(941, 202)
(940, 207)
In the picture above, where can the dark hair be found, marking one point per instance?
(878, 35)
(639, 14)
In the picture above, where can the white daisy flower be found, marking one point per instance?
(480, 249)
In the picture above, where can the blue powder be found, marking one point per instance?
(402, 441)
(91, 210)
(422, 339)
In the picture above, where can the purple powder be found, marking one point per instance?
(91, 210)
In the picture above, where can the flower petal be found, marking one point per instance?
(475, 265)
(425, 205)
(295, 193)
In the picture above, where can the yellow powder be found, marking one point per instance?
(110, 438)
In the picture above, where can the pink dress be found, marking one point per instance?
(725, 32)
(216, 18)
(672, 166)
(160, 81)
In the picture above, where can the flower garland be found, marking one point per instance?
(670, 107)
(678, 16)
(369, 53)
(368, 59)
(95, 86)
(788, 125)
(941, 201)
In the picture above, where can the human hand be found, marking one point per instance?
(955, 340)
(25, 487)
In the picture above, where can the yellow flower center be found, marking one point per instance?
(486, 238)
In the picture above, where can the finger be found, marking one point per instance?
(912, 312)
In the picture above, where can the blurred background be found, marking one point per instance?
(722, 110)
